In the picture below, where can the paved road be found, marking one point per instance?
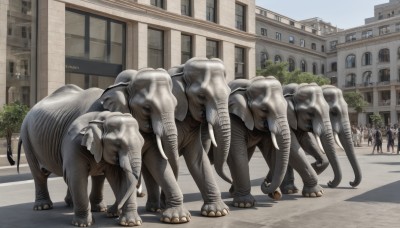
(374, 203)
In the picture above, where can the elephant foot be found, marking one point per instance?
(215, 209)
(316, 191)
(153, 207)
(289, 189)
(83, 222)
(113, 211)
(246, 201)
(130, 219)
(98, 207)
(175, 215)
(273, 194)
(44, 204)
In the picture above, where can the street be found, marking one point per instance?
(374, 203)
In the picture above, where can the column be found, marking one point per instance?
(173, 48)
(140, 45)
(393, 100)
(375, 97)
(251, 63)
(3, 51)
(130, 46)
(200, 45)
(228, 56)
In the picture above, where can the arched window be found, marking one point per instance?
(366, 59)
(263, 59)
(277, 59)
(314, 68)
(350, 80)
(366, 78)
(334, 67)
(323, 69)
(384, 75)
(351, 61)
(292, 65)
(384, 55)
(303, 66)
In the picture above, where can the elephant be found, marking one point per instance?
(258, 119)
(202, 93)
(92, 144)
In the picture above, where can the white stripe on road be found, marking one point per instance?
(26, 182)
(11, 167)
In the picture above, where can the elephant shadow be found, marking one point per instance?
(384, 194)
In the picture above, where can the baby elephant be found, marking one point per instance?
(95, 143)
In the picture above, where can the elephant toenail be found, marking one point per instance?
(183, 219)
(204, 213)
(211, 214)
(218, 214)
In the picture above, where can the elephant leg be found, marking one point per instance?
(96, 195)
(309, 144)
(40, 176)
(68, 199)
(153, 191)
(161, 171)
(288, 186)
(119, 182)
(201, 170)
(299, 162)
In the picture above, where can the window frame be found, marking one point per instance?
(384, 55)
(217, 48)
(189, 10)
(242, 62)
(183, 53)
(212, 10)
(158, 3)
(350, 61)
(242, 17)
(162, 50)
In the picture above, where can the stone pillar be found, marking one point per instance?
(375, 97)
(228, 56)
(393, 112)
(172, 49)
(140, 45)
(200, 45)
(145, 2)
(251, 63)
(3, 51)
(130, 46)
(51, 47)
(200, 12)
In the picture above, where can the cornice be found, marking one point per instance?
(363, 42)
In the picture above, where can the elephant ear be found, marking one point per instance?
(178, 89)
(291, 113)
(92, 139)
(238, 106)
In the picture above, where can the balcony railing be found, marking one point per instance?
(384, 103)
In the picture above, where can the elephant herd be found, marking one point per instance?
(142, 124)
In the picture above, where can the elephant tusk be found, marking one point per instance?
(211, 132)
(336, 136)
(274, 141)
(160, 148)
(319, 143)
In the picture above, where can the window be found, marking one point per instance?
(368, 97)
(278, 18)
(366, 34)
(277, 59)
(292, 65)
(302, 43)
(186, 7)
(313, 46)
(278, 36)
(384, 75)
(157, 3)
(367, 78)
(351, 61)
(350, 80)
(211, 11)
(384, 55)
(263, 31)
(351, 37)
(334, 67)
(24, 32)
(397, 27)
(212, 49)
(322, 68)
(240, 15)
(263, 59)
(186, 48)
(366, 59)
(9, 30)
(314, 68)
(322, 48)
(291, 23)
(333, 44)
(303, 27)
(303, 66)
(239, 62)
(98, 39)
(291, 39)
(384, 30)
(155, 56)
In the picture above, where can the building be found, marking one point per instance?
(49, 43)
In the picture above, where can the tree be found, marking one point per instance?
(11, 118)
(377, 119)
(355, 100)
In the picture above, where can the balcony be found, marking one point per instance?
(384, 103)
(366, 84)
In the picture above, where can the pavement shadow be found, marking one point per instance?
(386, 194)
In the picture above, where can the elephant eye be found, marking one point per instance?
(201, 97)
(146, 108)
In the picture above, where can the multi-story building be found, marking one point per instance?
(48, 43)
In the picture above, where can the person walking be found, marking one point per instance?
(369, 136)
(378, 141)
(390, 139)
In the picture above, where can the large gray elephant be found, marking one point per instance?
(202, 94)
(93, 144)
(258, 119)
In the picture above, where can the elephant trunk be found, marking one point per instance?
(133, 159)
(347, 143)
(282, 155)
(170, 142)
(131, 186)
(222, 129)
(329, 148)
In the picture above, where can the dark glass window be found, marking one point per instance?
(264, 31)
(302, 43)
(384, 75)
(277, 59)
(323, 69)
(263, 59)
(157, 3)
(278, 36)
(239, 62)
(292, 65)
(367, 78)
(351, 61)
(186, 48)
(240, 15)
(211, 10)
(314, 68)
(155, 56)
(303, 66)
(384, 55)
(186, 7)
(366, 58)
(350, 80)
(313, 46)
(322, 48)
(334, 67)
(212, 49)
(291, 39)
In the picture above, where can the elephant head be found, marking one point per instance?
(341, 127)
(147, 95)
(260, 104)
(201, 90)
(114, 137)
(308, 111)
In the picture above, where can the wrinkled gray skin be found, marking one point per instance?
(308, 112)
(93, 144)
(151, 102)
(202, 94)
(258, 119)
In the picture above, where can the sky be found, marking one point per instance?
(344, 14)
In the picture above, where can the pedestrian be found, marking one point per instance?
(390, 139)
(378, 141)
(369, 136)
(354, 135)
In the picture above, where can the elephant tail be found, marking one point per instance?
(19, 153)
